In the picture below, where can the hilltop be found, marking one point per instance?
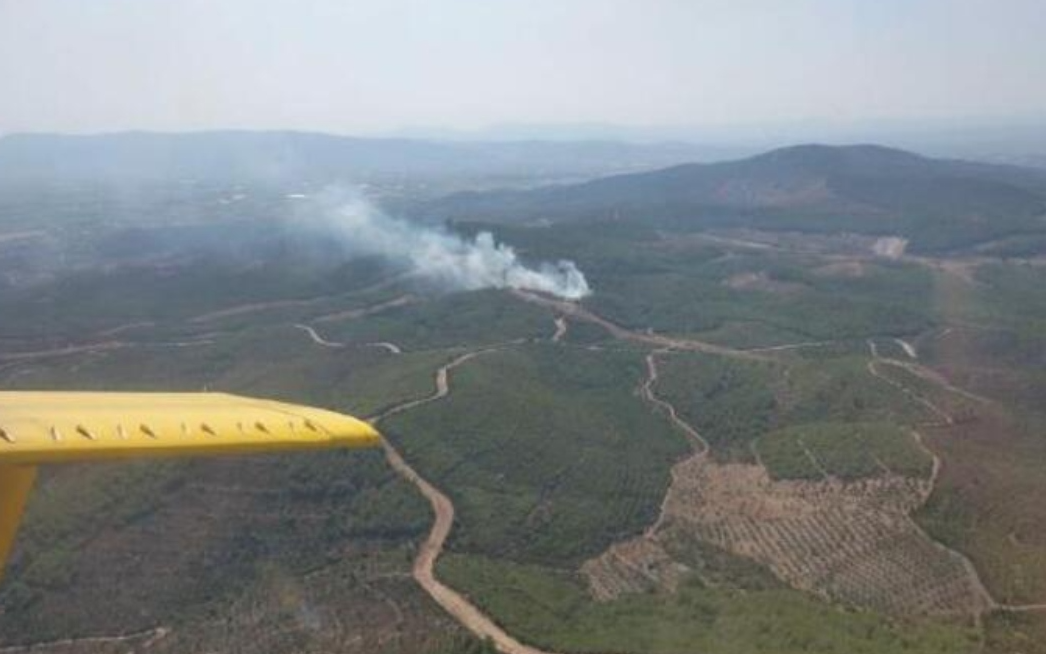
(938, 204)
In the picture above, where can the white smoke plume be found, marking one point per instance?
(445, 258)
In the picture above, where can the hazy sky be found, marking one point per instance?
(370, 66)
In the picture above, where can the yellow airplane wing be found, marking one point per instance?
(41, 427)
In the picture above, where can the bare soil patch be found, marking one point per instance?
(851, 268)
(848, 542)
(760, 281)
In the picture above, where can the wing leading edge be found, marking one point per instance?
(42, 427)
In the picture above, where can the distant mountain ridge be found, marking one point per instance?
(939, 204)
(281, 155)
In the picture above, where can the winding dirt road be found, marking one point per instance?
(391, 348)
(578, 312)
(64, 351)
(96, 348)
(698, 444)
(352, 314)
(453, 602)
(561, 329)
(933, 376)
(948, 419)
(877, 359)
(254, 307)
(442, 387)
(147, 639)
(457, 605)
(926, 373)
(316, 338)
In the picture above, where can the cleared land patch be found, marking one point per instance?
(851, 542)
(847, 537)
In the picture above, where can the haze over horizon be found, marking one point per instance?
(402, 67)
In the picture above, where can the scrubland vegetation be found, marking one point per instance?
(551, 609)
(549, 451)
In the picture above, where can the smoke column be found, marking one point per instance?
(440, 256)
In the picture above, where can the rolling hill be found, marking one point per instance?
(938, 204)
(282, 156)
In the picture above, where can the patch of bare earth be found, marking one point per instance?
(760, 281)
(851, 542)
(638, 565)
(851, 268)
(799, 193)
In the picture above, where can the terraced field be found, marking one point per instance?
(849, 541)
